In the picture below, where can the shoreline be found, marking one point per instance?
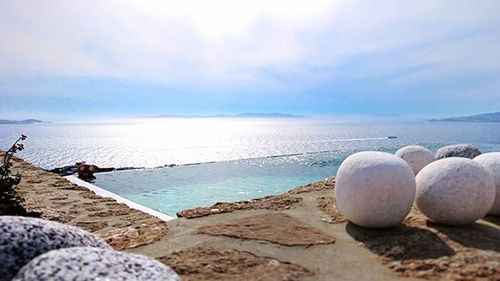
(71, 169)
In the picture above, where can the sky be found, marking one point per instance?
(98, 59)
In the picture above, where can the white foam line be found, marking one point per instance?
(104, 193)
(358, 139)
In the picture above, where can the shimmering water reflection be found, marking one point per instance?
(313, 149)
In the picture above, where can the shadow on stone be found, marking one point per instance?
(492, 219)
(13, 207)
(479, 236)
(401, 242)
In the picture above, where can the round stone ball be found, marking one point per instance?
(457, 150)
(491, 162)
(86, 264)
(416, 156)
(24, 238)
(374, 189)
(454, 191)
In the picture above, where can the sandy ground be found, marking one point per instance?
(299, 235)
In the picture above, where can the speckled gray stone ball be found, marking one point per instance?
(374, 189)
(457, 150)
(491, 162)
(24, 238)
(86, 264)
(454, 191)
(416, 156)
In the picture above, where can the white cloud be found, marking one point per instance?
(224, 43)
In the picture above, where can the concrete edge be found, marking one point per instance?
(104, 193)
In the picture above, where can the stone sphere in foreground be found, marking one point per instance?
(491, 162)
(457, 150)
(86, 264)
(374, 189)
(454, 191)
(24, 238)
(416, 156)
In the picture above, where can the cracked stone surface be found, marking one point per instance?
(200, 263)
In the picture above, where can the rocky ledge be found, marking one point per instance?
(49, 196)
(299, 235)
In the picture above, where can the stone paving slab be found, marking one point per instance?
(274, 227)
(206, 263)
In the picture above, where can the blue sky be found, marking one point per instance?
(64, 59)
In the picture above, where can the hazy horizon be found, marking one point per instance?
(340, 118)
(120, 59)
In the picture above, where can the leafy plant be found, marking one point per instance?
(7, 179)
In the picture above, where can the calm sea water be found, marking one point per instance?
(251, 157)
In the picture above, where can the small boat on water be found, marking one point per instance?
(392, 137)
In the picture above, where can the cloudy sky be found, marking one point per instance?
(65, 59)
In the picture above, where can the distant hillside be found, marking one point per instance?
(239, 115)
(486, 117)
(26, 121)
(262, 115)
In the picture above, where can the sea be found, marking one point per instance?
(181, 163)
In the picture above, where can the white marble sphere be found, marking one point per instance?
(454, 191)
(374, 189)
(416, 156)
(491, 162)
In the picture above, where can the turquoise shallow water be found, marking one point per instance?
(312, 149)
(170, 190)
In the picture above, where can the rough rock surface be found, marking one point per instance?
(457, 150)
(416, 156)
(323, 185)
(87, 264)
(133, 236)
(23, 238)
(454, 191)
(54, 198)
(491, 162)
(277, 228)
(328, 205)
(208, 264)
(280, 202)
(375, 189)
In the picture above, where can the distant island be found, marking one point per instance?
(26, 121)
(485, 117)
(239, 115)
